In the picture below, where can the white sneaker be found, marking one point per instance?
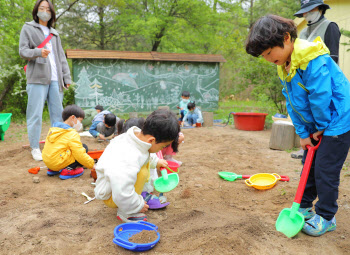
(36, 153)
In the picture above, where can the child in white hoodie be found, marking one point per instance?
(124, 166)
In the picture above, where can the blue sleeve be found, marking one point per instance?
(93, 129)
(185, 117)
(319, 84)
(300, 128)
(200, 117)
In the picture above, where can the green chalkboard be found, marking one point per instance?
(142, 86)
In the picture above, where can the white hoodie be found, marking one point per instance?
(117, 170)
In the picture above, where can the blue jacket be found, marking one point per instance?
(316, 90)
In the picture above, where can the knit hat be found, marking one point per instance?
(308, 5)
(99, 107)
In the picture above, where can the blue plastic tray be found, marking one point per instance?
(124, 231)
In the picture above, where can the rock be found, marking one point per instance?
(36, 179)
(342, 237)
(198, 185)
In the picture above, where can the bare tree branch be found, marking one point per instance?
(70, 6)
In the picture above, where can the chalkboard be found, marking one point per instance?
(142, 86)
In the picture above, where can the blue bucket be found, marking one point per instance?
(124, 231)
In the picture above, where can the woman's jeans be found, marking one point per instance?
(37, 95)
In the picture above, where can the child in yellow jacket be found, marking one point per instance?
(63, 153)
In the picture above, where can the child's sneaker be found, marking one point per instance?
(134, 217)
(317, 226)
(71, 173)
(308, 213)
(52, 173)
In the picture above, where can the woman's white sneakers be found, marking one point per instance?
(36, 153)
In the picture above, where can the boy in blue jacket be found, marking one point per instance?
(318, 101)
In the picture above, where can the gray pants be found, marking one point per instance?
(102, 129)
(37, 95)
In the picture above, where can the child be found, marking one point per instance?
(183, 104)
(193, 116)
(168, 152)
(318, 101)
(63, 153)
(124, 167)
(123, 126)
(104, 124)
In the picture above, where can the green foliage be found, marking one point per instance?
(347, 34)
(178, 26)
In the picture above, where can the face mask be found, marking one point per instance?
(44, 16)
(78, 126)
(185, 100)
(312, 17)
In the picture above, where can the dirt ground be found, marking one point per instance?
(206, 215)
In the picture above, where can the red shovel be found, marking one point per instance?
(290, 221)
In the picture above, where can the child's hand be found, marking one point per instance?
(145, 208)
(162, 163)
(304, 142)
(45, 53)
(193, 125)
(182, 123)
(102, 137)
(317, 134)
(181, 109)
(181, 138)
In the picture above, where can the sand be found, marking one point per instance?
(206, 215)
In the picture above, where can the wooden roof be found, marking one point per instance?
(134, 55)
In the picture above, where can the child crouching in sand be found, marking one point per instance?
(63, 153)
(124, 167)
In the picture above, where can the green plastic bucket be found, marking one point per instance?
(5, 120)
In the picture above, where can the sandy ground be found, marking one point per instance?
(207, 215)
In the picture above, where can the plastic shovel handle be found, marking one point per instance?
(306, 171)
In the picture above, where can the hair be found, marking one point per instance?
(52, 9)
(185, 94)
(191, 105)
(110, 119)
(322, 8)
(164, 126)
(99, 107)
(268, 32)
(139, 122)
(72, 110)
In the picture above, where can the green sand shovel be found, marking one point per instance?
(290, 221)
(229, 176)
(167, 182)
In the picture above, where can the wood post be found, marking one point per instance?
(208, 119)
(282, 136)
(132, 115)
(164, 107)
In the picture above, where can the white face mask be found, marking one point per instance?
(44, 16)
(312, 17)
(78, 126)
(185, 100)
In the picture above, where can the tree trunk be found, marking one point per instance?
(102, 27)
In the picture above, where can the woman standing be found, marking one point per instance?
(47, 71)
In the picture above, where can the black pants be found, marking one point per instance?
(324, 175)
(76, 164)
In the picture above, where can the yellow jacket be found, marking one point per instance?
(63, 147)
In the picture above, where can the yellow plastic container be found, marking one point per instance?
(263, 181)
